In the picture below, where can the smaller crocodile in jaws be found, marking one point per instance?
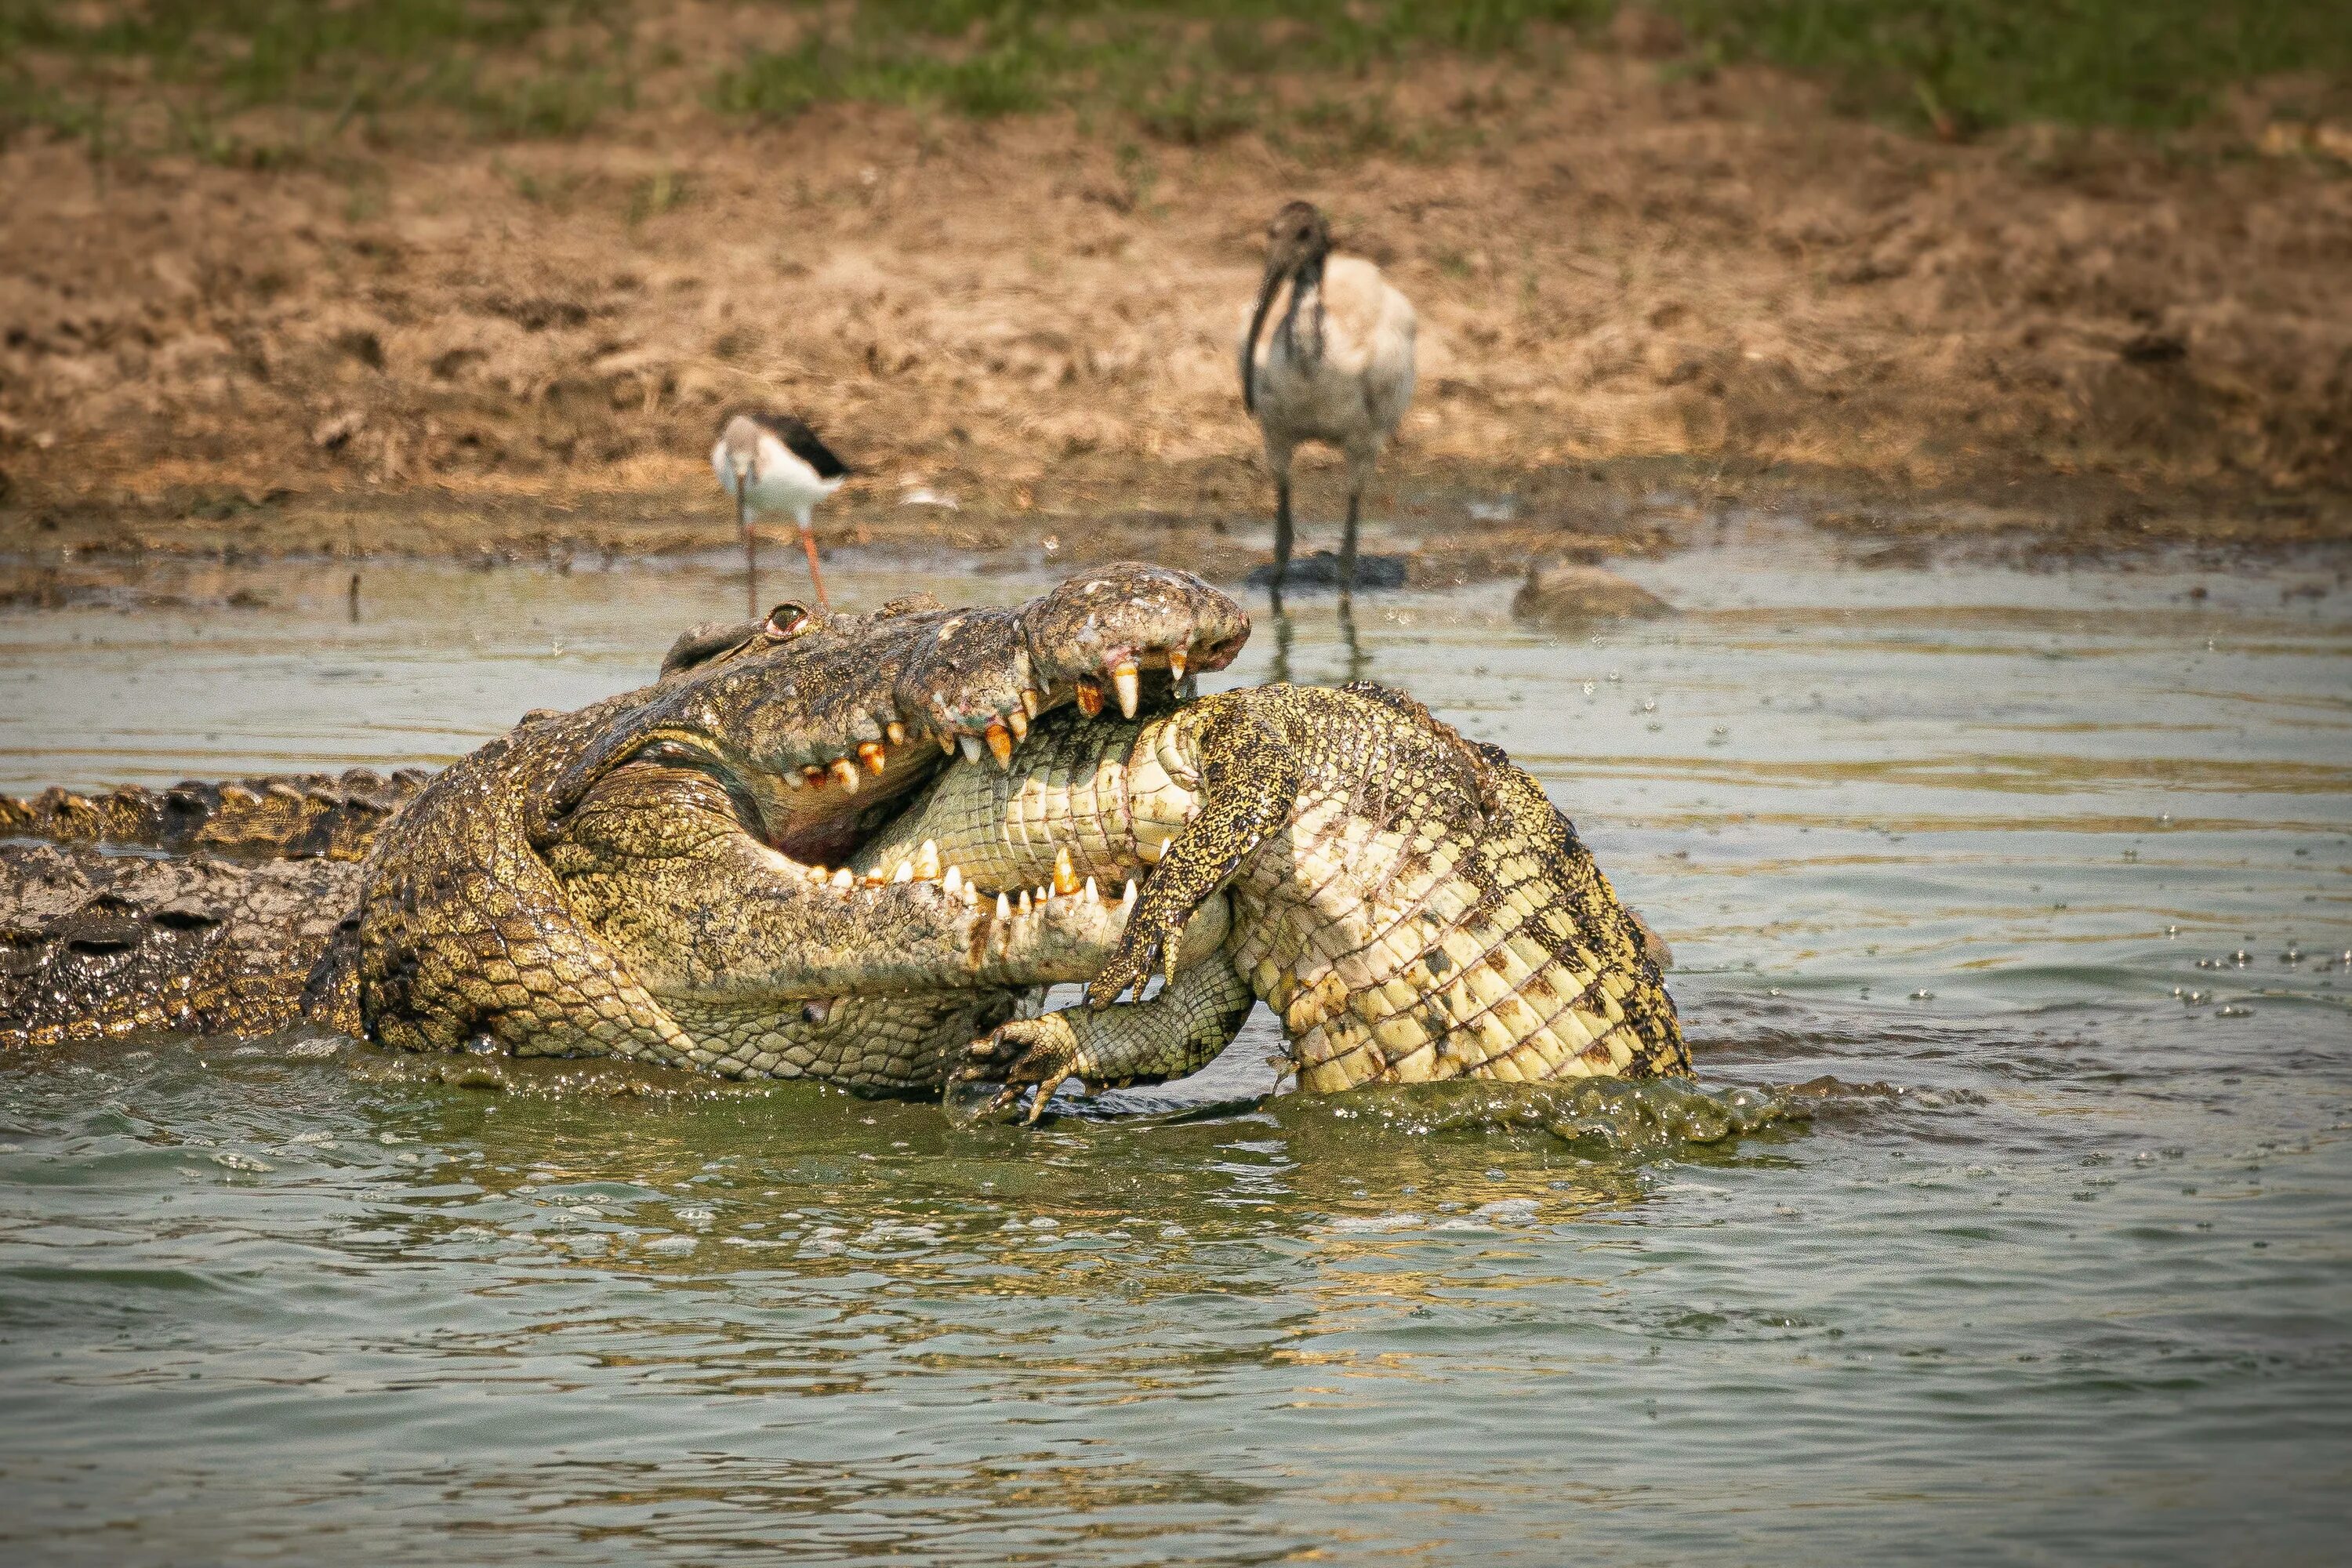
(1409, 903)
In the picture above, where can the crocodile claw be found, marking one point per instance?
(1040, 1051)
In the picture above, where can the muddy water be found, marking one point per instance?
(2054, 871)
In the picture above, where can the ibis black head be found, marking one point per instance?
(1297, 242)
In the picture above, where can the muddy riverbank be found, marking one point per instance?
(1647, 291)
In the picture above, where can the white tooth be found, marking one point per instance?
(970, 744)
(1123, 680)
(1045, 892)
(1091, 895)
(842, 878)
(905, 873)
(972, 895)
(953, 882)
(927, 860)
(1004, 908)
(791, 777)
(1126, 900)
(1025, 900)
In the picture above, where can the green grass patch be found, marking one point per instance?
(1315, 75)
(2149, 65)
(1187, 71)
(1196, 71)
(203, 62)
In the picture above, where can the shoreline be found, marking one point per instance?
(1455, 524)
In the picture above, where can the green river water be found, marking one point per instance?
(2050, 871)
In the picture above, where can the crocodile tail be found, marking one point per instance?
(293, 816)
(95, 945)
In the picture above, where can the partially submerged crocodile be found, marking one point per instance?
(648, 877)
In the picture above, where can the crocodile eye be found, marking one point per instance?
(785, 619)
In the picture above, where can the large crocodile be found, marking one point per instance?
(647, 877)
(643, 878)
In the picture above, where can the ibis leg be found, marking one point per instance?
(1348, 546)
(1281, 536)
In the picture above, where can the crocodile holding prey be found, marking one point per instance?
(648, 878)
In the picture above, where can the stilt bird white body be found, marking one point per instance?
(774, 463)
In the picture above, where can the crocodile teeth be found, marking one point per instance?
(812, 776)
(1092, 896)
(870, 753)
(1176, 660)
(895, 733)
(844, 772)
(1018, 723)
(970, 744)
(1004, 908)
(972, 895)
(1065, 876)
(1122, 678)
(1030, 702)
(927, 860)
(953, 882)
(1126, 900)
(1089, 696)
(844, 877)
(792, 779)
(1025, 900)
(905, 873)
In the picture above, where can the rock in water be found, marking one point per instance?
(1565, 595)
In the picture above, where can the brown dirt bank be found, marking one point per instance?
(1642, 295)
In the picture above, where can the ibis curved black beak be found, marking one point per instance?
(1297, 242)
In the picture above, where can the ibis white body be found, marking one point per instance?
(1337, 369)
(1326, 356)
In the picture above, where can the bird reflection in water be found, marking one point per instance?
(1358, 663)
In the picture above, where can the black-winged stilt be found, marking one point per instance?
(775, 463)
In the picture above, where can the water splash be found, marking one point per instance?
(1652, 1116)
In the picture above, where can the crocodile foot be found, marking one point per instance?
(1040, 1051)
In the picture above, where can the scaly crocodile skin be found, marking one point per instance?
(643, 877)
(331, 814)
(1409, 903)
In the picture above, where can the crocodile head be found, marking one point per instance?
(664, 874)
(817, 725)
